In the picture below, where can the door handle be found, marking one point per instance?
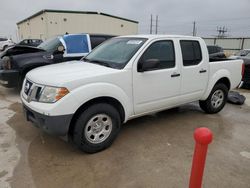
(175, 74)
(203, 71)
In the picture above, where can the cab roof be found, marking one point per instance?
(161, 36)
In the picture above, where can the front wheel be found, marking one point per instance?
(216, 100)
(96, 128)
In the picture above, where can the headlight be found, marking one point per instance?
(6, 63)
(52, 94)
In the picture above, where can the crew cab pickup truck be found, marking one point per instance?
(124, 78)
(16, 61)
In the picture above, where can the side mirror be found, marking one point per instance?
(147, 65)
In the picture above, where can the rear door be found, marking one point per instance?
(157, 88)
(194, 70)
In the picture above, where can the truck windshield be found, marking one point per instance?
(50, 45)
(116, 52)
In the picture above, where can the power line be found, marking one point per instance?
(214, 20)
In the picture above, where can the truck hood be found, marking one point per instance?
(19, 49)
(69, 74)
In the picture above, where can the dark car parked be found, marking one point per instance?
(30, 42)
(215, 52)
(243, 53)
(246, 72)
(16, 61)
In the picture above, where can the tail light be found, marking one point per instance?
(243, 70)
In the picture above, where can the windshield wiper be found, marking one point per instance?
(99, 62)
(85, 59)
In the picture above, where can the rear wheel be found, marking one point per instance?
(96, 128)
(216, 100)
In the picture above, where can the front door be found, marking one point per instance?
(158, 87)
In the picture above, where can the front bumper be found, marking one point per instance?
(55, 125)
(9, 78)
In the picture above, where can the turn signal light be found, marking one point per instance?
(61, 93)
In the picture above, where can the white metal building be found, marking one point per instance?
(230, 45)
(49, 23)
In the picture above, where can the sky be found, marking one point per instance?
(175, 16)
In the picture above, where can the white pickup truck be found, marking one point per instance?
(4, 43)
(124, 78)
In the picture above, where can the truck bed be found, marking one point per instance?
(231, 67)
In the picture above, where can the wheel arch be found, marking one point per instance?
(222, 79)
(104, 99)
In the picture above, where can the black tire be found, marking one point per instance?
(207, 105)
(79, 137)
(20, 82)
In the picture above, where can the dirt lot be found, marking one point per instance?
(151, 151)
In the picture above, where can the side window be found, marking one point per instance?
(24, 42)
(95, 41)
(191, 52)
(163, 51)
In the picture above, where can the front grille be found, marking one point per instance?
(32, 91)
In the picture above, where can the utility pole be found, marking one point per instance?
(156, 25)
(221, 32)
(151, 24)
(194, 28)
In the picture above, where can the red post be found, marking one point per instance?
(203, 136)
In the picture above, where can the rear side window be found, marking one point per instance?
(162, 51)
(191, 52)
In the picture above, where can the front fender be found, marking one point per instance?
(95, 90)
(222, 73)
(77, 97)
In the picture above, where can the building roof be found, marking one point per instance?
(74, 12)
